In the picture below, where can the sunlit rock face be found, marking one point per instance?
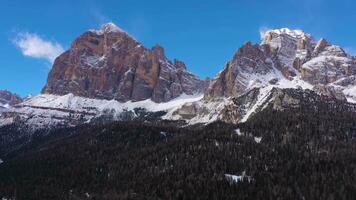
(110, 64)
(287, 58)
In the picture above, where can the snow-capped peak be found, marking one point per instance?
(296, 34)
(111, 27)
(108, 28)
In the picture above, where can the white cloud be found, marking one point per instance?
(34, 46)
(263, 30)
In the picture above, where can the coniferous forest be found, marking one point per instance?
(297, 153)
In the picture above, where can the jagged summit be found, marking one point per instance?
(285, 59)
(112, 65)
(108, 28)
(288, 39)
(106, 64)
(297, 33)
(111, 27)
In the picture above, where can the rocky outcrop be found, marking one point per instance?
(329, 91)
(110, 64)
(8, 98)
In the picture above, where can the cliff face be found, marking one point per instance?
(110, 64)
(286, 58)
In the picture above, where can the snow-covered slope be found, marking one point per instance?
(3, 107)
(69, 110)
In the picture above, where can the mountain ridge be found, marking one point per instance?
(284, 59)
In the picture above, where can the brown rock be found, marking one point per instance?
(110, 64)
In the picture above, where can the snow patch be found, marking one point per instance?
(110, 28)
(163, 133)
(238, 132)
(320, 61)
(350, 94)
(238, 178)
(261, 99)
(258, 139)
(298, 34)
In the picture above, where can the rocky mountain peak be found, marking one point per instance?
(287, 38)
(110, 64)
(9, 99)
(285, 32)
(285, 59)
(110, 27)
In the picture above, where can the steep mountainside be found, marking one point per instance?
(284, 59)
(110, 64)
(299, 147)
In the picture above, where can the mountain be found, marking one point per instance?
(284, 59)
(278, 122)
(107, 74)
(110, 64)
(8, 99)
(300, 146)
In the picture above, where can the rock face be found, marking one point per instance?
(286, 58)
(9, 99)
(110, 64)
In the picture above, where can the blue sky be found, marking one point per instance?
(202, 33)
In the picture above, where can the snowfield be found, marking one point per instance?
(72, 102)
(47, 110)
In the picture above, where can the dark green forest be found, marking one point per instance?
(305, 153)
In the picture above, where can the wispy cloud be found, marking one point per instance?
(351, 50)
(101, 18)
(32, 45)
(263, 31)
